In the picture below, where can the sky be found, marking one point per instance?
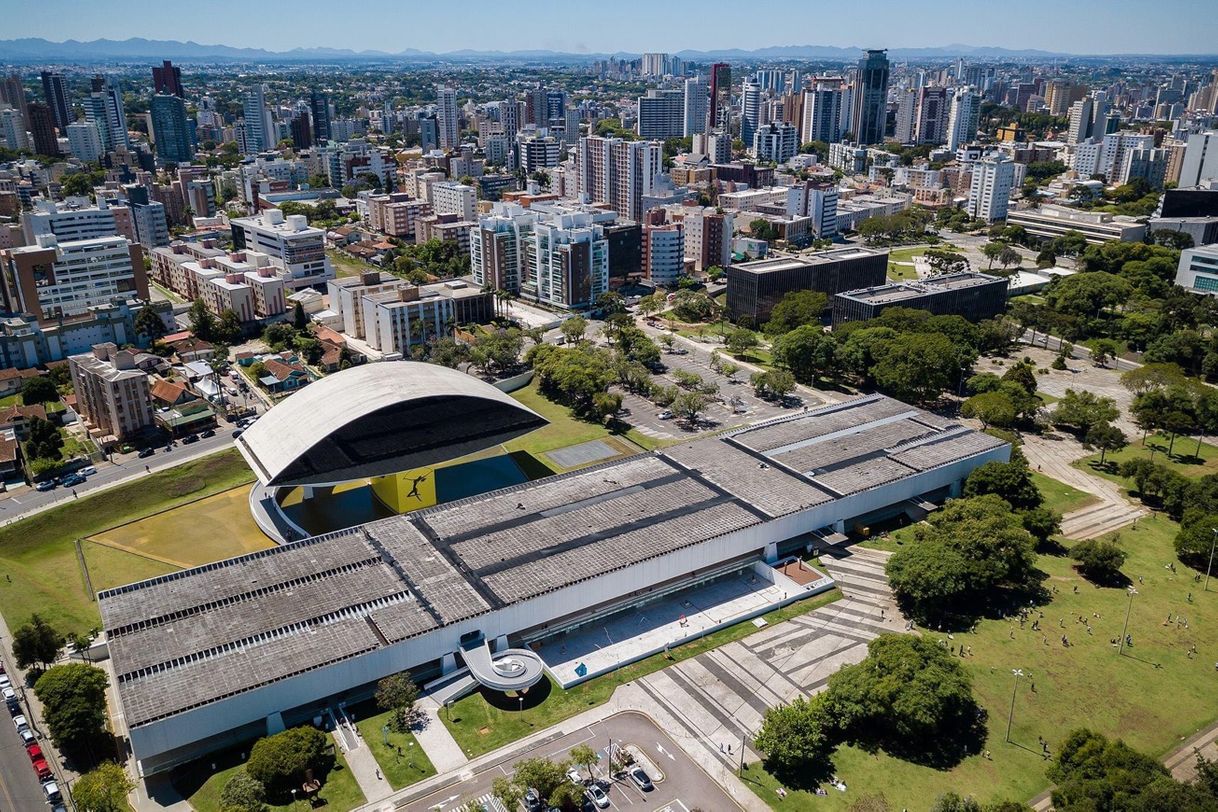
(581, 26)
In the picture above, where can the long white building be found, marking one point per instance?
(291, 240)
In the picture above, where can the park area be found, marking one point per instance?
(1154, 694)
(201, 782)
(40, 553)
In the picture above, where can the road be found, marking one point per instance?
(685, 785)
(19, 786)
(26, 501)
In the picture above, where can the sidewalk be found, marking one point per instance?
(436, 741)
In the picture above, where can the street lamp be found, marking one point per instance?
(1125, 630)
(1017, 672)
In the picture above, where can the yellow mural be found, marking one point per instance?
(406, 490)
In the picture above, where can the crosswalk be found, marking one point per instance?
(718, 699)
(487, 803)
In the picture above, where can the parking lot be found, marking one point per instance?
(684, 786)
(733, 405)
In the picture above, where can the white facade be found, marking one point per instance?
(1114, 160)
(1200, 159)
(447, 117)
(618, 173)
(83, 273)
(259, 124)
(1087, 156)
(990, 193)
(12, 127)
(697, 100)
(1198, 270)
(497, 255)
(84, 141)
(965, 116)
(664, 253)
(68, 223)
(776, 142)
(568, 259)
(104, 109)
(822, 113)
(752, 111)
(291, 240)
(453, 198)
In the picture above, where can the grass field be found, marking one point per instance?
(1059, 496)
(210, 529)
(899, 255)
(564, 428)
(39, 552)
(1183, 458)
(202, 790)
(345, 265)
(1153, 707)
(402, 770)
(480, 727)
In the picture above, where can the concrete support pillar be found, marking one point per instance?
(839, 526)
(954, 489)
(771, 552)
(501, 643)
(307, 491)
(448, 663)
(274, 724)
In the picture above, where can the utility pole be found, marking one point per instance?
(1125, 630)
(1210, 566)
(1018, 672)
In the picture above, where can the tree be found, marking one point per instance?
(954, 802)
(1008, 257)
(796, 739)
(916, 367)
(507, 792)
(807, 351)
(1093, 773)
(1099, 559)
(45, 440)
(1102, 350)
(963, 555)
(202, 322)
(727, 369)
(243, 793)
(279, 760)
(73, 700)
(689, 405)
(1087, 295)
(1106, 437)
(739, 341)
(1078, 411)
(945, 262)
(279, 336)
(40, 389)
(610, 302)
(398, 693)
(909, 695)
(796, 309)
(991, 408)
(584, 756)
(992, 250)
(228, 329)
(299, 319)
(773, 383)
(573, 329)
(693, 306)
(541, 774)
(149, 323)
(36, 643)
(103, 789)
(1196, 537)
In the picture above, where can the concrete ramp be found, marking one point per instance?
(514, 669)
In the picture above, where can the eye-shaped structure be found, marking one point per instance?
(380, 418)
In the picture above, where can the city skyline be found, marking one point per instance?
(1079, 28)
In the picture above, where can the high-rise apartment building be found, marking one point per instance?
(12, 93)
(55, 91)
(167, 79)
(104, 107)
(69, 223)
(447, 117)
(618, 173)
(170, 129)
(319, 111)
(708, 237)
(990, 192)
(42, 129)
(453, 198)
(1115, 156)
(719, 114)
(1200, 159)
(112, 393)
(752, 111)
(661, 114)
(51, 279)
(777, 142)
(497, 247)
(696, 101)
(905, 125)
(567, 257)
(12, 128)
(870, 103)
(259, 124)
(663, 254)
(822, 112)
(1080, 121)
(932, 116)
(964, 119)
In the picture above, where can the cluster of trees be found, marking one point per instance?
(492, 352)
(226, 329)
(73, 698)
(1003, 401)
(430, 260)
(906, 353)
(1134, 199)
(908, 225)
(548, 779)
(957, 220)
(1092, 772)
(909, 697)
(1167, 401)
(104, 789)
(1001, 252)
(1089, 416)
(36, 643)
(294, 336)
(276, 765)
(694, 306)
(44, 447)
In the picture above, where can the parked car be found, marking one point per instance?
(190, 438)
(27, 736)
(208, 433)
(35, 752)
(43, 769)
(51, 790)
(72, 480)
(665, 415)
(237, 433)
(640, 778)
(532, 802)
(145, 453)
(45, 485)
(576, 776)
(20, 723)
(5, 682)
(597, 795)
(88, 470)
(10, 699)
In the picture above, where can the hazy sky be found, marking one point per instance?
(1072, 26)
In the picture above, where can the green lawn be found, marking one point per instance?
(1183, 458)
(11, 400)
(410, 767)
(202, 790)
(564, 428)
(1152, 708)
(346, 265)
(480, 727)
(897, 255)
(39, 552)
(1059, 496)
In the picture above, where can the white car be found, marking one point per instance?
(597, 796)
(20, 723)
(5, 682)
(88, 470)
(10, 696)
(576, 776)
(27, 737)
(665, 415)
(51, 789)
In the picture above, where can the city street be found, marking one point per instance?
(685, 786)
(19, 786)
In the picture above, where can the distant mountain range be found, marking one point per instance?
(40, 50)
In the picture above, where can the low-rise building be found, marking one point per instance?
(1097, 226)
(112, 393)
(754, 288)
(973, 295)
(291, 240)
(1198, 270)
